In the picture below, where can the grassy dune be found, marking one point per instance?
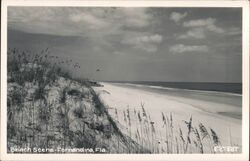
(47, 108)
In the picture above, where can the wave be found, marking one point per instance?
(180, 89)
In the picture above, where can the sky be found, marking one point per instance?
(135, 44)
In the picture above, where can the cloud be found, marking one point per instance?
(135, 17)
(147, 39)
(180, 48)
(102, 26)
(176, 17)
(91, 21)
(197, 33)
(145, 42)
(208, 24)
(198, 28)
(199, 22)
(76, 21)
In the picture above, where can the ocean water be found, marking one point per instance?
(203, 86)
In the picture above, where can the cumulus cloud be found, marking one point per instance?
(180, 48)
(176, 16)
(144, 42)
(97, 24)
(208, 23)
(135, 17)
(91, 21)
(199, 22)
(146, 39)
(76, 21)
(198, 28)
(197, 33)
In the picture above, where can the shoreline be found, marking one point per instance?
(216, 115)
(177, 89)
(188, 86)
(231, 98)
(172, 93)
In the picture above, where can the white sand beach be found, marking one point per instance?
(219, 111)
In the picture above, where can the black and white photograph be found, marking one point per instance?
(125, 80)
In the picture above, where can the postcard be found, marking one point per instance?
(125, 80)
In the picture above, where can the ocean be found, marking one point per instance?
(203, 86)
(223, 93)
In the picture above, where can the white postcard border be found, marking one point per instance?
(194, 157)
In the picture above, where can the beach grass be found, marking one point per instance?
(48, 108)
(175, 139)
